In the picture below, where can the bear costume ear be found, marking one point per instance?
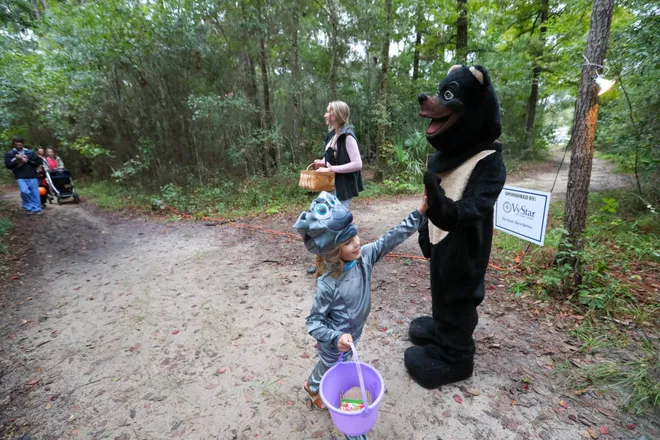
(481, 74)
(454, 67)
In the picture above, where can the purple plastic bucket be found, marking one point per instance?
(342, 377)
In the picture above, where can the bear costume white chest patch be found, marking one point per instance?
(453, 183)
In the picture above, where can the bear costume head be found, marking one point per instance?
(465, 114)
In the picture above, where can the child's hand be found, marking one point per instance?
(318, 163)
(344, 342)
(425, 203)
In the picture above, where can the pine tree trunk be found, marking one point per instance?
(268, 118)
(532, 102)
(461, 32)
(295, 135)
(385, 60)
(418, 39)
(36, 9)
(584, 128)
(334, 49)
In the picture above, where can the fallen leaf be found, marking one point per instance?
(211, 386)
(133, 349)
(304, 356)
(563, 404)
(631, 426)
(221, 371)
(280, 382)
(74, 432)
(291, 402)
(606, 412)
(473, 391)
(15, 277)
(594, 433)
(382, 329)
(458, 398)
(317, 434)
(399, 322)
(604, 430)
(49, 405)
(175, 332)
(29, 298)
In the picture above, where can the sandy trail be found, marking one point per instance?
(127, 328)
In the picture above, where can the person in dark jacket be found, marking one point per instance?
(341, 153)
(24, 163)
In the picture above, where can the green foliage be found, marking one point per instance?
(621, 233)
(409, 158)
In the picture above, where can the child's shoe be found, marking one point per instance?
(316, 398)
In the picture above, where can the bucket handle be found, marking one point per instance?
(360, 378)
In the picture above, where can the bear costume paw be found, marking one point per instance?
(421, 331)
(427, 368)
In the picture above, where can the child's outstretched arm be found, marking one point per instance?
(373, 252)
(317, 325)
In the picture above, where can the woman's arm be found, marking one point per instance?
(355, 163)
(60, 163)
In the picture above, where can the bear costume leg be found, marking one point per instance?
(448, 356)
(421, 331)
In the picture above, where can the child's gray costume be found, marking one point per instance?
(342, 305)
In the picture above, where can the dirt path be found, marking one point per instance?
(126, 328)
(543, 176)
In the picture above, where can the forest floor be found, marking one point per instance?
(124, 326)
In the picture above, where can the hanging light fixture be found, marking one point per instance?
(603, 84)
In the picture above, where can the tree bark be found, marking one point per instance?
(334, 49)
(461, 32)
(36, 9)
(584, 128)
(268, 118)
(385, 60)
(532, 102)
(295, 135)
(419, 26)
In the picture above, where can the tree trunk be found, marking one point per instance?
(461, 32)
(584, 128)
(334, 49)
(36, 9)
(536, 72)
(295, 135)
(419, 26)
(385, 60)
(268, 119)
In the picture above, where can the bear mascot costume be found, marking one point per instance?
(463, 180)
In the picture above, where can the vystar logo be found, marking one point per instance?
(519, 210)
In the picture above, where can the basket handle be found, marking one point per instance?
(360, 378)
(309, 166)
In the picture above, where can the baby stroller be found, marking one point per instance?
(60, 186)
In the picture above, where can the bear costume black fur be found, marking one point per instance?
(464, 178)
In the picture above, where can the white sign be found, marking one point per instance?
(523, 213)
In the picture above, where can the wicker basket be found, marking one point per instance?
(314, 181)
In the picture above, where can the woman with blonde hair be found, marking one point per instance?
(341, 153)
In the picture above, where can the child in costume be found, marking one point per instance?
(342, 301)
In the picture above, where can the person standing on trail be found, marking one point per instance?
(24, 163)
(342, 301)
(341, 156)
